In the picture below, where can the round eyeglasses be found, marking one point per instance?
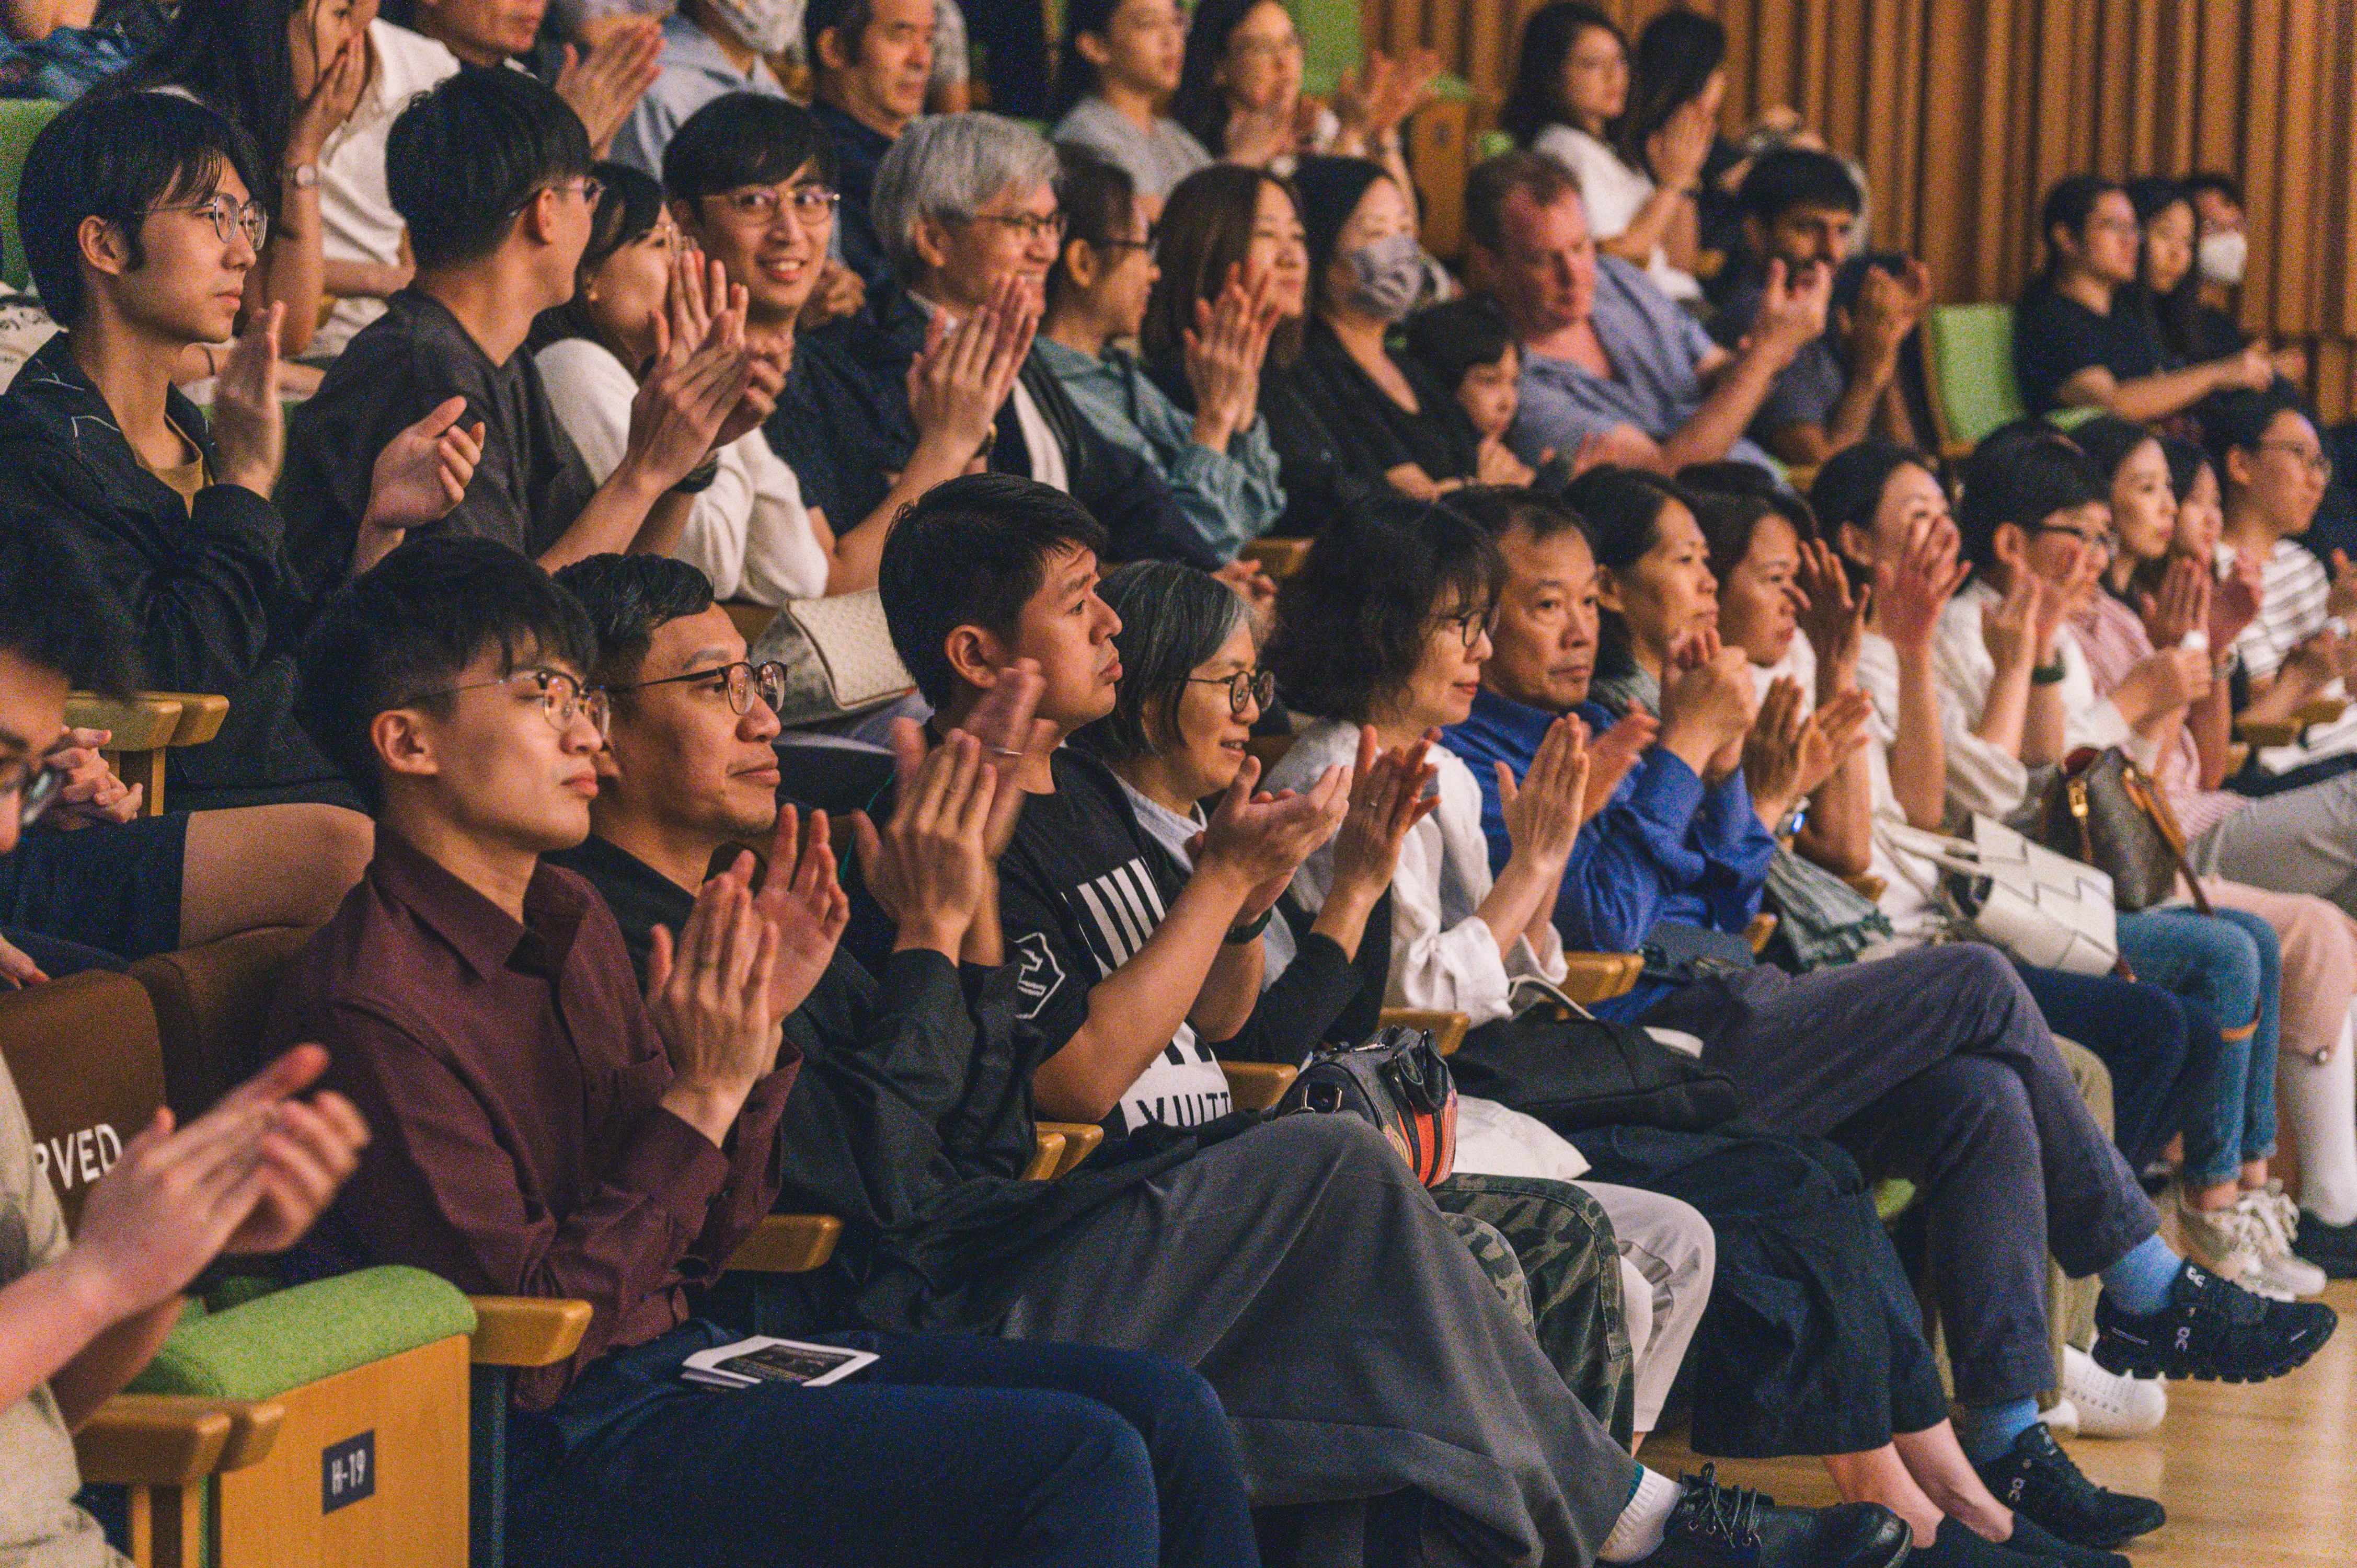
(811, 205)
(1246, 689)
(561, 696)
(228, 218)
(741, 682)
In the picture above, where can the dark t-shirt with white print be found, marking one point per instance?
(1081, 889)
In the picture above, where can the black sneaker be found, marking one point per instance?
(1724, 1527)
(2211, 1328)
(2033, 1541)
(2038, 1481)
(1957, 1547)
(2332, 1248)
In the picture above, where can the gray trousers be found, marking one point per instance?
(1358, 1347)
(1935, 1065)
(2302, 841)
(1672, 1247)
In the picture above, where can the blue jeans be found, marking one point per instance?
(950, 1451)
(2230, 966)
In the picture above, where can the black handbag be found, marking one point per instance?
(2104, 811)
(1398, 1082)
(1574, 1071)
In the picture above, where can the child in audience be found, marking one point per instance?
(1464, 347)
(140, 229)
(1119, 67)
(1219, 464)
(452, 685)
(1925, 1038)
(80, 1315)
(491, 170)
(638, 287)
(1122, 1011)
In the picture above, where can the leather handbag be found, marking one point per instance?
(1399, 1082)
(2103, 810)
(2049, 911)
(1572, 1070)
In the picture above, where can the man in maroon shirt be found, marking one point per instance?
(543, 1130)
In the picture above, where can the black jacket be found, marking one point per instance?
(202, 581)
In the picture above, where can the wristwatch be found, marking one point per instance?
(302, 176)
(1245, 931)
(2048, 674)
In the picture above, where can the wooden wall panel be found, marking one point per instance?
(1964, 111)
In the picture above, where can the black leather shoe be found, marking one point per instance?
(2038, 1481)
(1732, 1527)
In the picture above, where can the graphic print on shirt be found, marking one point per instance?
(1114, 914)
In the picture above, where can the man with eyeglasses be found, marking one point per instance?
(141, 232)
(490, 171)
(966, 206)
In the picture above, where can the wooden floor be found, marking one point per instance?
(2253, 1477)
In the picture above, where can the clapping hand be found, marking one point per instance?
(2234, 598)
(695, 394)
(801, 900)
(249, 428)
(1833, 614)
(1611, 755)
(1542, 812)
(708, 995)
(958, 384)
(1370, 102)
(2182, 605)
(1263, 838)
(420, 477)
(607, 83)
(1911, 593)
(1390, 791)
(1223, 353)
(931, 866)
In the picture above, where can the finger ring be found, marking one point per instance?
(1005, 751)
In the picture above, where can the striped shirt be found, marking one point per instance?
(2291, 609)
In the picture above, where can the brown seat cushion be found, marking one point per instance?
(212, 1004)
(89, 1066)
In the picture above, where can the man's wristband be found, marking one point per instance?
(2048, 674)
(1248, 930)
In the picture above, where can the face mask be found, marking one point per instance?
(1386, 276)
(765, 27)
(2221, 256)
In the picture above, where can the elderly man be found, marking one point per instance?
(1607, 359)
(870, 62)
(965, 204)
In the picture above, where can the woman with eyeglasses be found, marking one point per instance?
(1216, 459)
(638, 286)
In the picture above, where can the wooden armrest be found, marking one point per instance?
(1277, 558)
(202, 715)
(1258, 1085)
(527, 1330)
(146, 723)
(1866, 884)
(1763, 926)
(2320, 711)
(2238, 757)
(1447, 1029)
(2265, 733)
(1047, 1155)
(1081, 1141)
(751, 619)
(1592, 977)
(789, 1244)
(175, 1440)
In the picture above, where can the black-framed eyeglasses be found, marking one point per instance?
(741, 681)
(1246, 689)
(2318, 459)
(811, 205)
(1147, 244)
(2103, 544)
(561, 696)
(1031, 225)
(226, 218)
(1471, 626)
(34, 781)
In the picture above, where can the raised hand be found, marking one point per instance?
(1833, 614)
(709, 993)
(932, 865)
(1792, 310)
(421, 476)
(958, 384)
(1251, 585)
(1494, 462)
(1611, 755)
(1542, 812)
(2343, 600)
(839, 292)
(1390, 791)
(249, 428)
(691, 395)
(1911, 593)
(2182, 606)
(2234, 598)
(1679, 149)
(1264, 838)
(1224, 353)
(1841, 726)
(1707, 702)
(90, 790)
(1013, 742)
(802, 900)
(333, 96)
(2009, 628)
(2165, 683)
(1372, 102)
(2251, 370)
(606, 84)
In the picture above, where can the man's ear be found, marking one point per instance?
(1082, 262)
(831, 54)
(2238, 467)
(404, 742)
(2010, 545)
(931, 243)
(1093, 48)
(537, 222)
(103, 245)
(974, 657)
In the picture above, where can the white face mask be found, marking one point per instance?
(765, 27)
(2221, 256)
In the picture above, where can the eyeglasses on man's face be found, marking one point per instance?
(2318, 460)
(560, 695)
(760, 205)
(1031, 226)
(35, 783)
(226, 217)
(741, 682)
(1246, 689)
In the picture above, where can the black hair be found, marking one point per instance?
(1076, 76)
(2108, 441)
(1451, 338)
(1674, 61)
(1850, 485)
(1786, 178)
(410, 625)
(2022, 474)
(971, 552)
(1200, 104)
(1494, 181)
(1099, 200)
(464, 159)
(1499, 509)
(2217, 182)
(2176, 316)
(847, 19)
(117, 156)
(1623, 509)
(2070, 203)
(2186, 459)
(235, 58)
(628, 598)
(53, 613)
(1733, 477)
(1353, 623)
(1205, 230)
(1173, 619)
(744, 138)
(630, 205)
(1535, 101)
(2238, 420)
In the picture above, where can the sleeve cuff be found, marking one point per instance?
(1668, 792)
(676, 1167)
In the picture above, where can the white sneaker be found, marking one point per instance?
(2062, 1421)
(2229, 1243)
(2108, 1404)
(2280, 1274)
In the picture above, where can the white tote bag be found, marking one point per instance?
(2046, 910)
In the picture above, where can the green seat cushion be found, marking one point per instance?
(21, 119)
(289, 1338)
(1972, 357)
(1892, 1197)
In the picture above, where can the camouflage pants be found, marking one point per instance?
(1570, 1263)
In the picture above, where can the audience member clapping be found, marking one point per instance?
(602, 83)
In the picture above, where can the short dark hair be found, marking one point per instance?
(847, 19)
(972, 552)
(2069, 203)
(740, 139)
(1173, 617)
(1623, 509)
(2238, 420)
(1351, 624)
(410, 625)
(1098, 198)
(2108, 440)
(117, 156)
(2218, 182)
(2021, 475)
(630, 205)
(463, 159)
(1451, 338)
(628, 598)
(1849, 487)
(55, 616)
(1499, 509)
(1787, 177)
(1494, 182)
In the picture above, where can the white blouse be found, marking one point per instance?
(1613, 194)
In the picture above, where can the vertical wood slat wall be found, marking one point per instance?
(1964, 111)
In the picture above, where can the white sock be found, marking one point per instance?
(1636, 1534)
(2318, 1108)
